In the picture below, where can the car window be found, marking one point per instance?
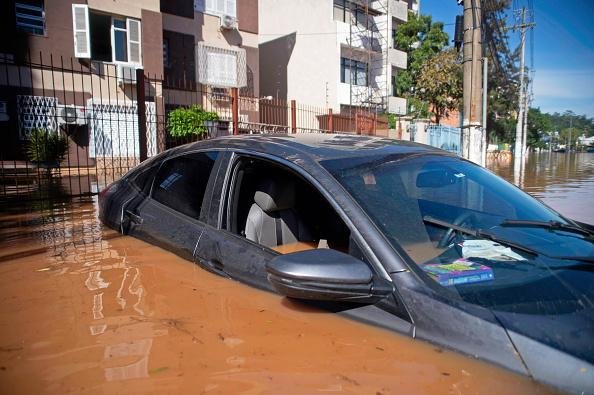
(181, 182)
(276, 208)
(143, 178)
(418, 202)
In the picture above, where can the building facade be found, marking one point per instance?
(337, 54)
(71, 66)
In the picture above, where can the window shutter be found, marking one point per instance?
(134, 51)
(231, 4)
(80, 30)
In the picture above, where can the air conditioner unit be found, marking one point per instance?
(126, 75)
(228, 22)
(71, 115)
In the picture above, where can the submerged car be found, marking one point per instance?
(397, 234)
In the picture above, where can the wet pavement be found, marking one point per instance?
(84, 309)
(564, 181)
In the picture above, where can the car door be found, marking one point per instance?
(224, 244)
(171, 216)
(223, 252)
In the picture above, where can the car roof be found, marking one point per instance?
(318, 146)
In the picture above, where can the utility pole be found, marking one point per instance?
(484, 123)
(518, 149)
(525, 121)
(472, 103)
(570, 128)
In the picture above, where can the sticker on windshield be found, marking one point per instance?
(459, 175)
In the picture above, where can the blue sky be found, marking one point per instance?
(563, 50)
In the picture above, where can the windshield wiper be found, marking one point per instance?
(552, 225)
(478, 233)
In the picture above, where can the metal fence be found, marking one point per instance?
(111, 117)
(445, 137)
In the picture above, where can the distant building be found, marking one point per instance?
(337, 54)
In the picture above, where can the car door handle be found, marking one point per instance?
(134, 218)
(214, 265)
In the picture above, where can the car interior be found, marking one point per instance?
(278, 209)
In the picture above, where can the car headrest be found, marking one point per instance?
(273, 195)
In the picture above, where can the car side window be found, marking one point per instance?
(181, 182)
(278, 209)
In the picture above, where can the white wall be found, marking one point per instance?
(315, 61)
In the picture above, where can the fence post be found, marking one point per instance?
(330, 121)
(293, 116)
(235, 110)
(141, 108)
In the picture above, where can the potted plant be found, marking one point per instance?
(46, 148)
(190, 121)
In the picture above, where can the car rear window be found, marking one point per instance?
(181, 182)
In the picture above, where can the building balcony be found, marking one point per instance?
(398, 9)
(397, 105)
(397, 58)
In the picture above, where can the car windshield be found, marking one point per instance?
(472, 234)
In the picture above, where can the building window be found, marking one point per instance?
(119, 40)
(349, 12)
(106, 38)
(353, 72)
(394, 85)
(113, 39)
(216, 7)
(221, 67)
(166, 52)
(30, 17)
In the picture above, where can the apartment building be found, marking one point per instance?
(82, 58)
(71, 67)
(212, 43)
(337, 54)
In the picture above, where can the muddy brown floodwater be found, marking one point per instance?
(84, 309)
(564, 181)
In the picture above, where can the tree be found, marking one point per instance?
(421, 39)
(440, 83)
(539, 125)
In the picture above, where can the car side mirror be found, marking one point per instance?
(326, 275)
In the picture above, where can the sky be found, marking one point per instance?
(561, 53)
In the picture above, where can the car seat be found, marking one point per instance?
(272, 220)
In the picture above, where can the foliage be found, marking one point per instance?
(46, 147)
(503, 74)
(421, 39)
(186, 121)
(562, 128)
(440, 83)
(539, 125)
(392, 121)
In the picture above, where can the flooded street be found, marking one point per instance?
(84, 309)
(564, 181)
